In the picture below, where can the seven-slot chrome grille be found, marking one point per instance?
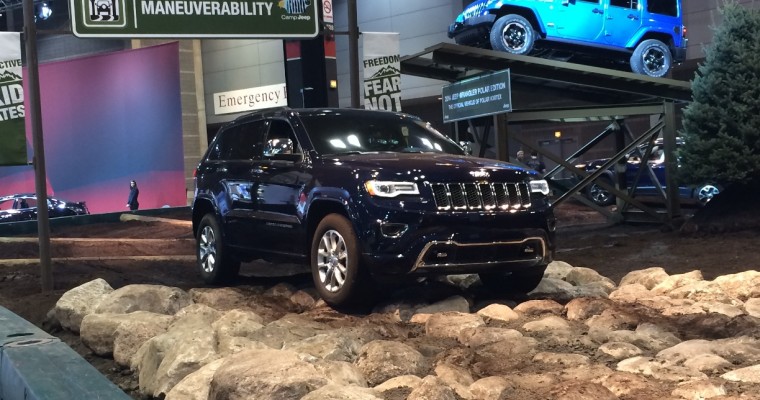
(480, 196)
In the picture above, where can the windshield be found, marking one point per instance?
(373, 133)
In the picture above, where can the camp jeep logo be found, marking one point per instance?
(11, 93)
(104, 13)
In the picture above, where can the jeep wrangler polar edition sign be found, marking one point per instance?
(291, 19)
(362, 197)
(649, 35)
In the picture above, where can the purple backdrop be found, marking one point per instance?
(108, 119)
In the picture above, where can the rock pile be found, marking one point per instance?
(578, 336)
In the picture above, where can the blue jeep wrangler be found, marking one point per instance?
(648, 34)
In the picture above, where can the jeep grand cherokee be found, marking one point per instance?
(365, 196)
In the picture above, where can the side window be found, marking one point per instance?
(248, 141)
(279, 132)
(6, 205)
(664, 7)
(240, 142)
(624, 3)
(24, 202)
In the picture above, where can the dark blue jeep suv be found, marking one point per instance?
(363, 196)
(647, 34)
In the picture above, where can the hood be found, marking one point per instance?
(433, 167)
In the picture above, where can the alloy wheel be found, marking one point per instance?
(332, 258)
(706, 193)
(654, 60)
(514, 36)
(599, 195)
(207, 249)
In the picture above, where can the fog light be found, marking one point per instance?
(393, 230)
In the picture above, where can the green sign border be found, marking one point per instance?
(243, 19)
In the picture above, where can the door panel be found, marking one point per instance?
(580, 20)
(622, 21)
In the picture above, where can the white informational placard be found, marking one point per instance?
(251, 99)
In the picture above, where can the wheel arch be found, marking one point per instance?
(321, 208)
(525, 12)
(661, 36)
(201, 207)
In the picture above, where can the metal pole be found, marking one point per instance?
(40, 182)
(353, 53)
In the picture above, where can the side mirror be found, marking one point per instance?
(466, 146)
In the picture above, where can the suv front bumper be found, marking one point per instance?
(473, 30)
(462, 243)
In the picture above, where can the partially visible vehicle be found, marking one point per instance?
(23, 207)
(646, 187)
(648, 35)
(364, 196)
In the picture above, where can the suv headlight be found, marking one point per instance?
(390, 189)
(539, 186)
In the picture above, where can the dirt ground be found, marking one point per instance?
(584, 239)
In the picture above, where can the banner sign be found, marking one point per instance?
(12, 113)
(382, 71)
(291, 19)
(251, 99)
(476, 97)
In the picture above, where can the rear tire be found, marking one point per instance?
(513, 34)
(518, 282)
(652, 58)
(336, 267)
(215, 263)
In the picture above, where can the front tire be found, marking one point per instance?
(518, 282)
(513, 34)
(336, 269)
(652, 58)
(216, 264)
(599, 195)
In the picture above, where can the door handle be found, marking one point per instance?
(257, 170)
(597, 11)
(633, 17)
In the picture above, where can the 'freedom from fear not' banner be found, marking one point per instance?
(382, 71)
(12, 130)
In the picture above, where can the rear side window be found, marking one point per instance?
(664, 7)
(239, 142)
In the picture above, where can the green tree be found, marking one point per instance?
(721, 126)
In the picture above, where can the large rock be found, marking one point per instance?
(381, 360)
(649, 278)
(99, 331)
(134, 332)
(196, 385)
(187, 345)
(73, 305)
(232, 326)
(340, 392)
(432, 387)
(153, 298)
(451, 324)
(265, 374)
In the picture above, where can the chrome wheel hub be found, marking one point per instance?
(207, 249)
(332, 261)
